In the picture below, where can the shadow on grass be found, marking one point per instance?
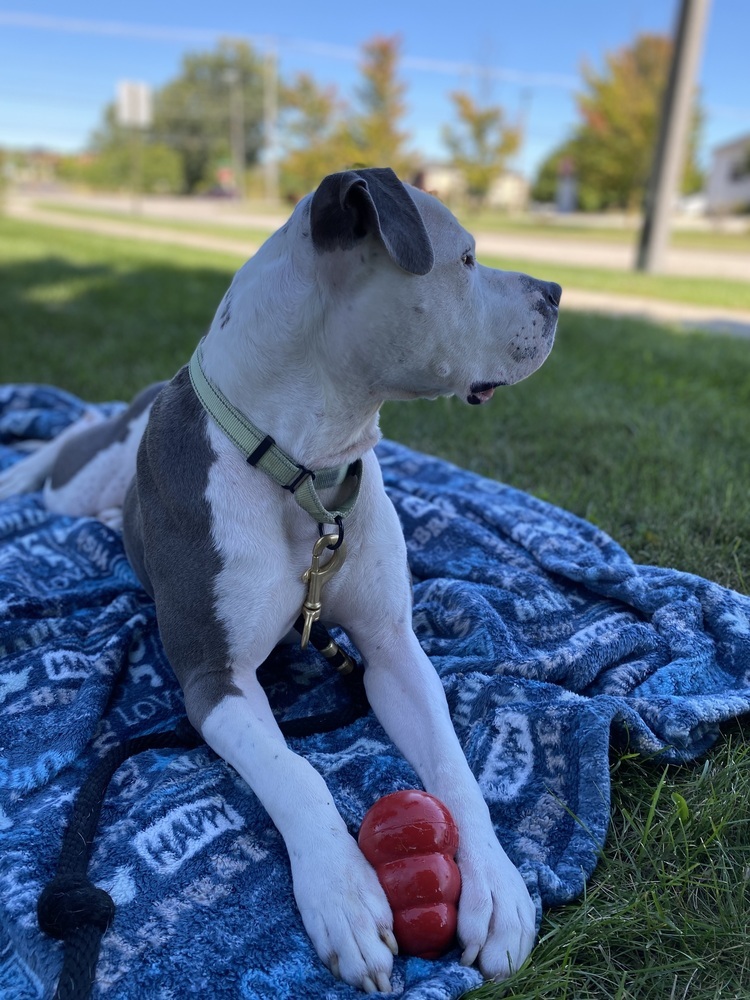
(642, 431)
(102, 330)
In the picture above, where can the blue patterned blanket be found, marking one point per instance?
(547, 637)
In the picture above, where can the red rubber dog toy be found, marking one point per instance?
(410, 839)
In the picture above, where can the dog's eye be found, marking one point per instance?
(468, 259)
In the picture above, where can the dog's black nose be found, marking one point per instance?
(553, 291)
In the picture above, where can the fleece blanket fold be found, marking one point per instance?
(548, 639)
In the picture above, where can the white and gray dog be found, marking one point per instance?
(371, 291)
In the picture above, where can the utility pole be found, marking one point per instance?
(270, 114)
(134, 111)
(524, 110)
(233, 78)
(674, 130)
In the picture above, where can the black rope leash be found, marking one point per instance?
(351, 675)
(77, 912)
(71, 907)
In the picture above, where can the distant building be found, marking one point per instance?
(509, 190)
(728, 187)
(31, 166)
(566, 192)
(441, 180)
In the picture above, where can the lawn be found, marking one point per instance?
(550, 227)
(719, 293)
(641, 430)
(715, 292)
(555, 226)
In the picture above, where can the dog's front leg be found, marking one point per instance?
(496, 916)
(342, 905)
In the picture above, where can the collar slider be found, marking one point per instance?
(299, 479)
(255, 456)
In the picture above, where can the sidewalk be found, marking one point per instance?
(728, 321)
(700, 263)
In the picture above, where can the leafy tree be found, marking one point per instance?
(377, 140)
(121, 159)
(192, 114)
(4, 166)
(612, 148)
(481, 144)
(322, 133)
(152, 169)
(545, 184)
(315, 137)
(192, 119)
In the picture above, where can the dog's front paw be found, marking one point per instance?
(347, 916)
(496, 915)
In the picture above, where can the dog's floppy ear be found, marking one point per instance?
(349, 206)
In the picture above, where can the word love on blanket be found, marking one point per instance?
(548, 639)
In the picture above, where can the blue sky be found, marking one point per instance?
(60, 61)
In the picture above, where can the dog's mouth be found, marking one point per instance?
(481, 392)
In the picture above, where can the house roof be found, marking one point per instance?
(742, 142)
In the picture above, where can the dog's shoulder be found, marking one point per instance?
(174, 460)
(167, 531)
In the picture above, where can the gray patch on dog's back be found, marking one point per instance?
(79, 451)
(168, 540)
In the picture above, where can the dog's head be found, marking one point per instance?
(397, 265)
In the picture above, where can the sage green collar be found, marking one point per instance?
(261, 451)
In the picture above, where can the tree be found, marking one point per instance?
(612, 148)
(195, 114)
(4, 166)
(377, 140)
(481, 144)
(545, 184)
(121, 158)
(315, 136)
(151, 169)
(192, 114)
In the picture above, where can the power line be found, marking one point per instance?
(159, 33)
(273, 45)
(115, 29)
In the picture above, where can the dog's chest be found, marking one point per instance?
(265, 542)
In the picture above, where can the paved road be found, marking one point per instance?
(553, 248)
(507, 245)
(699, 263)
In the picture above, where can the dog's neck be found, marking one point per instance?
(315, 408)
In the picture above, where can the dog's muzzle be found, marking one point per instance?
(545, 299)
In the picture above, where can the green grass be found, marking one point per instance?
(253, 235)
(720, 293)
(560, 227)
(98, 316)
(639, 429)
(716, 292)
(665, 916)
(555, 228)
